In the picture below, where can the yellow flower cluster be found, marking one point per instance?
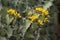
(44, 12)
(14, 13)
(33, 18)
(40, 22)
(36, 18)
(46, 20)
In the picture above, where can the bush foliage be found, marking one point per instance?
(18, 19)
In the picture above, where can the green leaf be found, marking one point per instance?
(2, 31)
(47, 5)
(4, 2)
(3, 38)
(34, 27)
(0, 7)
(30, 35)
(21, 8)
(27, 25)
(9, 31)
(8, 19)
(42, 17)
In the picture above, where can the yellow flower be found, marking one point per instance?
(46, 12)
(40, 22)
(38, 9)
(9, 10)
(43, 11)
(18, 15)
(14, 13)
(46, 20)
(33, 18)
